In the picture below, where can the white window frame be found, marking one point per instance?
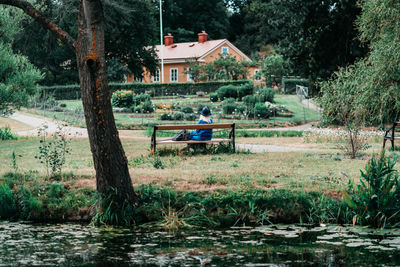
(256, 77)
(189, 75)
(227, 50)
(156, 77)
(171, 73)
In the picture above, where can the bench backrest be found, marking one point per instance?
(194, 126)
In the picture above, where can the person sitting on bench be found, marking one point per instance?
(203, 134)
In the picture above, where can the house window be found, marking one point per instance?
(174, 75)
(257, 75)
(156, 77)
(225, 50)
(189, 75)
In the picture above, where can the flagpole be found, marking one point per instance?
(162, 45)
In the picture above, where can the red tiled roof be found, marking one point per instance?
(187, 50)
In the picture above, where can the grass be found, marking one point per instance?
(299, 110)
(322, 169)
(74, 116)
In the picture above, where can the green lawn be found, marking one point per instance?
(299, 110)
(323, 168)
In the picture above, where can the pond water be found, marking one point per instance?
(280, 245)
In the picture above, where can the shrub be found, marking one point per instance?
(6, 134)
(52, 152)
(7, 207)
(141, 98)
(227, 91)
(265, 94)
(376, 200)
(187, 110)
(178, 116)
(146, 107)
(190, 116)
(244, 90)
(73, 91)
(229, 106)
(261, 111)
(214, 97)
(122, 99)
(166, 117)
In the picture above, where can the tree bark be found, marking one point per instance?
(109, 158)
(110, 162)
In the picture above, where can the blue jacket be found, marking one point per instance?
(202, 134)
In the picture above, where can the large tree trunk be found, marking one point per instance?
(109, 158)
(110, 162)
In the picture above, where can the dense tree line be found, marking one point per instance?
(316, 37)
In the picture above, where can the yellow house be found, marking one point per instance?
(177, 55)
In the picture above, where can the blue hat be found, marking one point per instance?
(205, 112)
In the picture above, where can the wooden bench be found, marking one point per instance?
(389, 134)
(155, 141)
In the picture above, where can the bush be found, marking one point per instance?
(289, 85)
(141, 98)
(261, 111)
(178, 116)
(190, 117)
(122, 99)
(166, 117)
(6, 134)
(376, 200)
(73, 91)
(229, 106)
(7, 207)
(227, 91)
(146, 107)
(214, 97)
(265, 94)
(187, 110)
(244, 90)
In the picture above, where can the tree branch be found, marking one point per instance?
(35, 14)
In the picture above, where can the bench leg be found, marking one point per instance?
(384, 143)
(153, 141)
(392, 144)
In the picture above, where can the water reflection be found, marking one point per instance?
(283, 245)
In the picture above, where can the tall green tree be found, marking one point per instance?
(316, 36)
(375, 79)
(18, 77)
(186, 18)
(274, 67)
(130, 27)
(113, 180)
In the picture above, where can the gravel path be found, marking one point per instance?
(52, 127)
(37, 123)
(302, 127)
(269, 148)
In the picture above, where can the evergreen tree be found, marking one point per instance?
(18, 77)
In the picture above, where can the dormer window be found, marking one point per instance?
(225, 51)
